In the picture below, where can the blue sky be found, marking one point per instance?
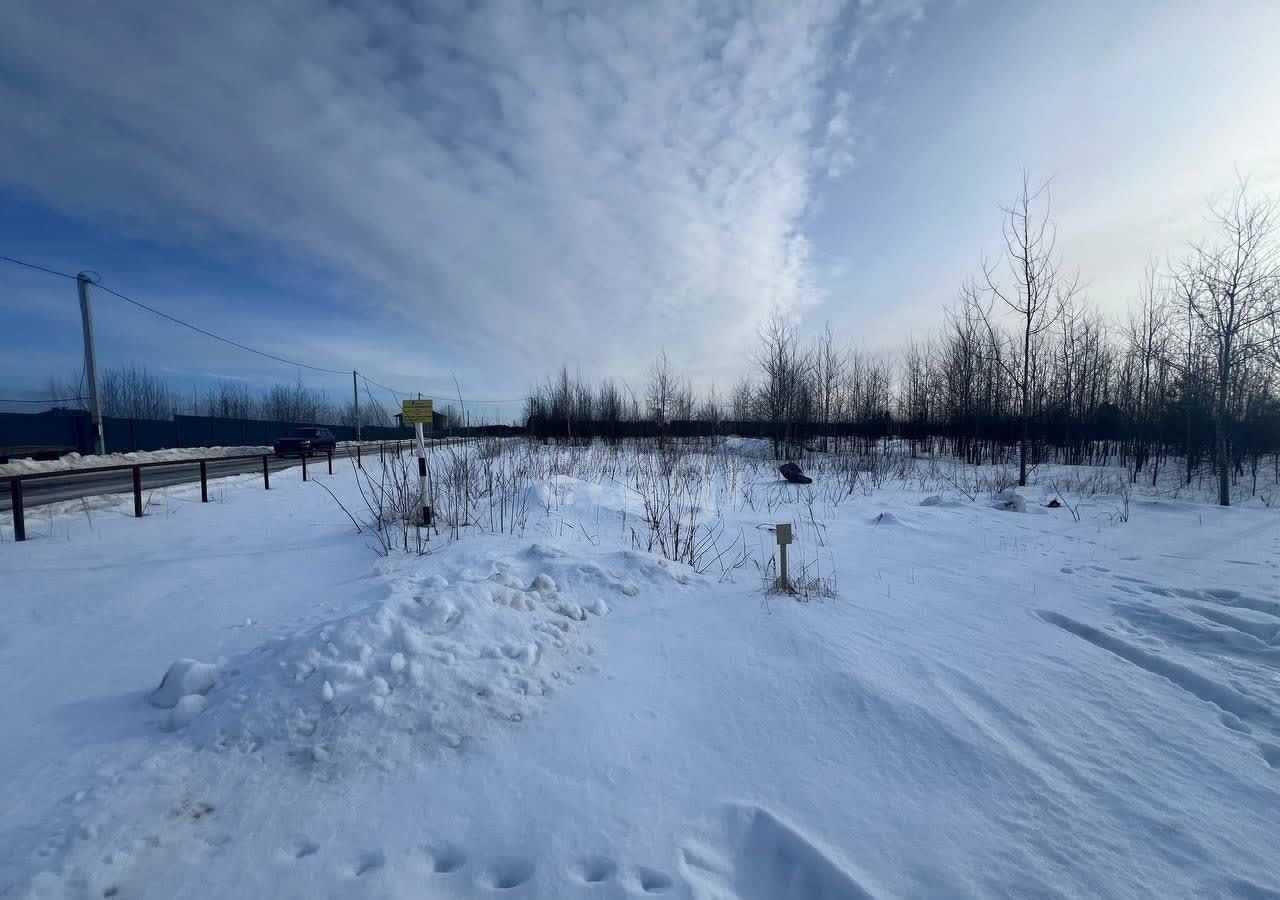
(486, 191)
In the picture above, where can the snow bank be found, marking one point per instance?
(1009, 500)
(92, 461)
(434, 668)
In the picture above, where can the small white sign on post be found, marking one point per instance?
(783, 532)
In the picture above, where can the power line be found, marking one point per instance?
(217, 337)
(369, 381)
(176, 320)
(18, 262)
(225, 340)
(464, 400)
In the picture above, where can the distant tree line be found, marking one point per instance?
(1022, 360)
(132, 392)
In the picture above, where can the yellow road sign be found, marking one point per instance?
(415, 411)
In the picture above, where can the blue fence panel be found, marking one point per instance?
(64, 430)
(55, 430)
(126, 435)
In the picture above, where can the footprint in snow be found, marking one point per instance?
(505, 874)
(303, 849)
(193, 810)
(651, 881)
(368, 863)
(594, 869)
(444, 858)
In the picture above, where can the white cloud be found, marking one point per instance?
(588, 181)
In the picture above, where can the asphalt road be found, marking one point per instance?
(53, 489)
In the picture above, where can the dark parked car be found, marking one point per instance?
(306, 442)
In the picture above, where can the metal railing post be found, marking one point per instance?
(304, 465)
(359, 459)
(137, 492)
(204, 482)
(266, 474)
(19, 519)
(330, 460)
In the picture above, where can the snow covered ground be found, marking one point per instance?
(995, 703)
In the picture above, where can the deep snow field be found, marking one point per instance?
(994, 703)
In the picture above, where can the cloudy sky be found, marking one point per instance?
(489, 190)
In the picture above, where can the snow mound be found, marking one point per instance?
(884, 518)
(945, 502)
(1009, 500)
(551, 494)
(184, 678)
(434, 668)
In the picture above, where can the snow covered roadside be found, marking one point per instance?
(94, 461)
(998, 704)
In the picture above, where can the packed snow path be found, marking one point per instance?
(997, 704)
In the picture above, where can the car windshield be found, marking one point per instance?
(306, 432)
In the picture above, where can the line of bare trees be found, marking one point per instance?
(1022, 363)
(132, 392)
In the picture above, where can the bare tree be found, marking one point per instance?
(132, 392)
(229, 399)
(785, 398)
(1148, 335)
(1231, 290)
(916, 389)
(742, 400)
(71, 390)
(710, 409)
(662, 390)
(829, 366)
(297, 403)
(1035, 290)
(682, 401)
(610, 407)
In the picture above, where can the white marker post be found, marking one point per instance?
(419, 412)
(422, 478)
